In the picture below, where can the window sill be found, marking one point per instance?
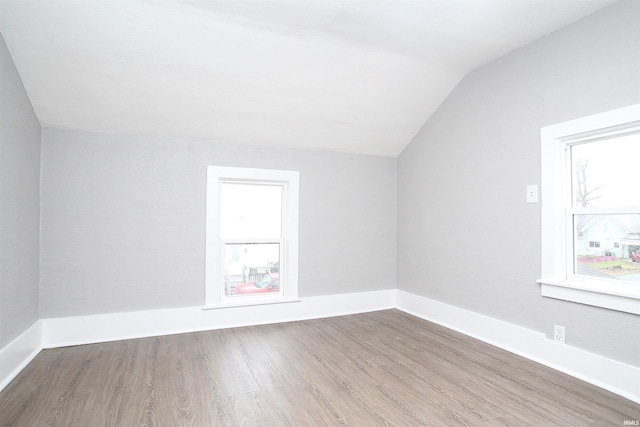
(615, 296)
(250, 303)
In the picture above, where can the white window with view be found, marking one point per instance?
(604, 208)
(252, 236)
(591, 210)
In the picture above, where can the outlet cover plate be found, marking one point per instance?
(559, 334)
(532, 194)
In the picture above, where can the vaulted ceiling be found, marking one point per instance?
(359, 76)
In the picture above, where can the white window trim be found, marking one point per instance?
(289, 264)
(556, 241)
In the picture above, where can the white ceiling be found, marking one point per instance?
(359, 76)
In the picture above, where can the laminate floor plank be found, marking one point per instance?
(384, 368)
(556, 389)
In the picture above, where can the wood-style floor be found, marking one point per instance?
(381, 368)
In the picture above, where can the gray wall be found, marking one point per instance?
(123, 220)
(123, 216)
(19, 203)
(466, 237)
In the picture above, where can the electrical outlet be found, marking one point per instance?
(532, 194)
(558, 334)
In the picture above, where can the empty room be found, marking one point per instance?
(319, 212)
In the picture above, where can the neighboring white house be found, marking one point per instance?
(617, 235)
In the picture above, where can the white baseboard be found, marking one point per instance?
(65, 331)
(608, 374)
(19, 352)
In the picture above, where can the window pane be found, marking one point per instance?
(607, 246)
(250, 211)
(605, 172)
(252, 268)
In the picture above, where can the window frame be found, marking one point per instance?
(557, 278)
(214, 283)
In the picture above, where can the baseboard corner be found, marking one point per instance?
(19, 352)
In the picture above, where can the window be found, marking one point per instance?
(591, 210)
(252, 236)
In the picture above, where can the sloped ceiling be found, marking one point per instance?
(359, 76)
